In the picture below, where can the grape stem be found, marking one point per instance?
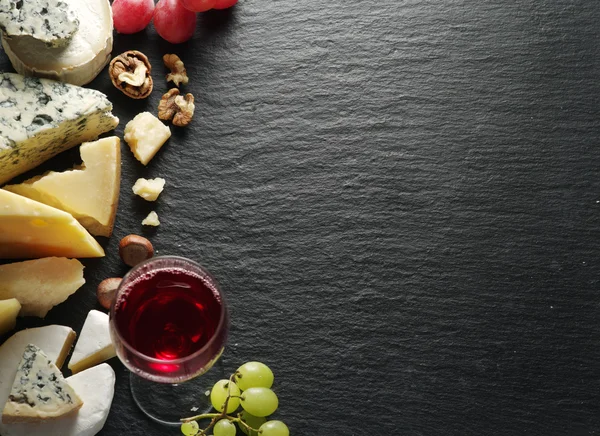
(214, 417)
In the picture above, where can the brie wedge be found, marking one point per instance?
(78, 62)
(94, 344)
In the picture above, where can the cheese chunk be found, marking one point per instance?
(39, 118)
(40, 284)
(78, 62)
(9, 309)
(149, 189)
(145, 135)
(51, 22)
(39, 391)
(96, 387)
(90, 193)
(29, 229)
(94, 345)
(151, 220)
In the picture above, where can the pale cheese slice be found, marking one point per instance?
(39, 391)
(90, 193)
(94, 344)
(9, 310)
(95, 387)
(40, 284)
(30, 229)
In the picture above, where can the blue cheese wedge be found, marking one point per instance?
(39, 391)
(40, 118)
(50, 21)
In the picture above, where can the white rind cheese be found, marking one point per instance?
(94, 344)
(50, 22)
(81, 60)
(39, 118)
(39, 391)
(95, 387)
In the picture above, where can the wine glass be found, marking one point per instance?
(169, 324)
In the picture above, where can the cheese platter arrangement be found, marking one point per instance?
(55, 220)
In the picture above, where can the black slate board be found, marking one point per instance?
(401, 200)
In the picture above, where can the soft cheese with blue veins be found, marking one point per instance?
(39, 391)
(40, 118)
(50, 21)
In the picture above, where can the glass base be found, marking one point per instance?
(169, 403)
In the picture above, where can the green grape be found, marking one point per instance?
(252, 421)
(254, 375)
(224, 428)
(219, 394)
(190, 428)
(259, 401)
(273, 428)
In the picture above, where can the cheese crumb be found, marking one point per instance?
(151, 220)
(149, 189)
(145, 135)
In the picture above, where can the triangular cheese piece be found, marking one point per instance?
(90, 193)
(94, 344)
(29, 229)
(41, 117)
(96, 387)
(56, 340)
(39, 391)
(40, 284)
(9, 309)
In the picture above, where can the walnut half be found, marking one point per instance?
(130, 73)
(176, 107)
(178, 74)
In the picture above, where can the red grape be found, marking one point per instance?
(174, 22)
(131, 16)
(224, 4)
(198, 5)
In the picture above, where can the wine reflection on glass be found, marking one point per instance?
(169, 324)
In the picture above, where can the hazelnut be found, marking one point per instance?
(134, 249)
(106, 291)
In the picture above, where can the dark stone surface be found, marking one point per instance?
(401, 200)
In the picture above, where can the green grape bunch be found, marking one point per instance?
(249, 387)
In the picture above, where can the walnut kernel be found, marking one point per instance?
(130, 73)
(176, 107)
(178, 74)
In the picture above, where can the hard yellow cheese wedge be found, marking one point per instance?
(89, 193)
(29, 229)
(40, 284)
(9, 309)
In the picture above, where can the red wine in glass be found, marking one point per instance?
(169, 320)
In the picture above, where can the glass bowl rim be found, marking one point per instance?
(182, 360)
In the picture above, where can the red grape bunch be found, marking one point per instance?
(174, 20)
